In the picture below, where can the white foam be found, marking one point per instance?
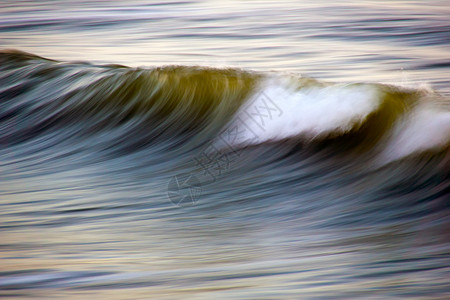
(280, 111)
(424, 128)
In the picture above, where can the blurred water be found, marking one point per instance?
(383, 41)
(86, 164)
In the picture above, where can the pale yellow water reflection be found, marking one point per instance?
(344, 195)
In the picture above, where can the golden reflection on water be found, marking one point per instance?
(100, 229)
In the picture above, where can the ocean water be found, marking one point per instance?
(224, 149)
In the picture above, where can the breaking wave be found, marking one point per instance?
(294, 180)
(180, 106)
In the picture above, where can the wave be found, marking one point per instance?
(134, 108)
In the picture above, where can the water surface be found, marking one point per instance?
(217, 150)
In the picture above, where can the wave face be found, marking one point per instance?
(298, 182)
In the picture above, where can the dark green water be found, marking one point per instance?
(263, 150)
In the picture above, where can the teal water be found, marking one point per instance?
(217, 150)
